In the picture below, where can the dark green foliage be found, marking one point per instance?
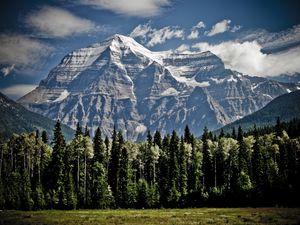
(78, 130)
(257, 168)
(207, 161)
(286, 107)
(16, 119)
(122, 195)
(56, 167)
(114, 163)
(45, 137)
(99, 151)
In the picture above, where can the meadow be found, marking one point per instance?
(154, 216)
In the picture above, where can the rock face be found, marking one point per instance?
(119, 82)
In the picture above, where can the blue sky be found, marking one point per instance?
(255, 37)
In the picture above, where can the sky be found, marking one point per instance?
(254, 37)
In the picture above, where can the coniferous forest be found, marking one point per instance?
(257, 168)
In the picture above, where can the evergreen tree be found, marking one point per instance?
(233, 133)
(244, 155)
(114, 163)
(187, 135)
(182, 162)
(157, 140)
(99, 151)
(221, 133)
(122, 199)
(207, 161)
(78, 130)
(278, 127)
(86, 131)
(56, 167)
(44, 137)
(174, 194)
(163, 170)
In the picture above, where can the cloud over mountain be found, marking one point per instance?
(55, 22)
(140, 8)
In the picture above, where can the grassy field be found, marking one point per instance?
(160, 216)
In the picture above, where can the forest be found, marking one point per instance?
(238, 169)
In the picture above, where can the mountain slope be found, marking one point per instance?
(14, 118)
(119, 82)
(286, 107)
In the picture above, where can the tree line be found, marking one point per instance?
(258, 168)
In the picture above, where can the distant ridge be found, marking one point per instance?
(286, 107)
(14, 118)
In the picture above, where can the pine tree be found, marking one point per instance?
(56, 166)
(122, 199)
(182, 162)
(99, 151)
(44, 137)
(278, 127)
(207, 161)
(173, 183)
(78, 130)
(86, 131)
(244, 155)
(163, 170)
(157, 139)
(221, 133)
(114, 163)
(187, 135)
(233, 133)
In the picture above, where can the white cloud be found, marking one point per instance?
(219, 27)
(140, 8)
(235, 28)
(20, 50)
(247, 57)
(193, 35)
(142, 30)
(162, 35)
(184, 48)
(51, 21)
(273, 40)
(194, 31)
(17, 91)
(7, 70)
(199, 25)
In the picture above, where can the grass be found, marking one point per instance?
(156, 216)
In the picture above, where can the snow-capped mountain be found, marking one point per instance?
(119, 82)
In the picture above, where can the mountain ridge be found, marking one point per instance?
(16, 119)
(286, 107)
(120, 82)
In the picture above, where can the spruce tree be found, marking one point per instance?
(122, 195)
(207, 161)
(44, 137)
(182, 162)
(99, 151)
(173, 184)
(78, 130)
(157, 140)
(187, 135)
(56, 166)
(114, 163)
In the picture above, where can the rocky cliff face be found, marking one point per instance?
(119, 82)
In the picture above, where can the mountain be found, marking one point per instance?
(14, 118)
(295, 78)
(286, 107)
(120, 82)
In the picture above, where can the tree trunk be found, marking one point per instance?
(215, 171)
(78, 170)
(85, 177)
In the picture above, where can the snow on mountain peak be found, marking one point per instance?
(120, 82)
